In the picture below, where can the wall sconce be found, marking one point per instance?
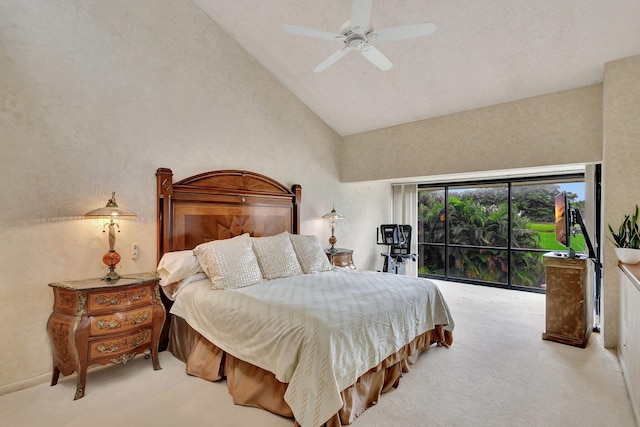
(333, 216)
(111, 212)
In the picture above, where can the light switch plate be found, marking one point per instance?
(134, 250)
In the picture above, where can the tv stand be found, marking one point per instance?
(569, 299)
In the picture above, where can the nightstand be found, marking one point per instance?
(341, 257)
(99, 322)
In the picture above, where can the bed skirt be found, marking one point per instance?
(253, 386)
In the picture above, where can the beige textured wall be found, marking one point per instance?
(621, 174)
(557, 129)
(94, 97)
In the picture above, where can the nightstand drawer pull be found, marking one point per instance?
(140, 339)
(127, 320)
(124, 358)
(102, 324)
(103, 349)
(142, 318)
(139, 296)
(115, 347)
(118, 299)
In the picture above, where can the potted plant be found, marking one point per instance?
(627, 239)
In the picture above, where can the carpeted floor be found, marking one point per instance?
(498, 372)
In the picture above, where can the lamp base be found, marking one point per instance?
(111, 276)
(111, 259)
(332, 241)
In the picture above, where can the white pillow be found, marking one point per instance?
(229, 263)
(171, 290)
(276, 256)
(310, 254)
(176, 266)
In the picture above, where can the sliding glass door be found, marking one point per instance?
(492, 232)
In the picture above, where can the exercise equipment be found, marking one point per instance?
(397, 239)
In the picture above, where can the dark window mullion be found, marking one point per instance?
(509, 236)
(446, 232)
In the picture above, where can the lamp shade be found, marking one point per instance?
(111, 210)
(333, 215)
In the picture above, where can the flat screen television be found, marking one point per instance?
(563, 219)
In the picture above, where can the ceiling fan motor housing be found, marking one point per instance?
(356, 41)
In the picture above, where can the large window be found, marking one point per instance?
(493, 232)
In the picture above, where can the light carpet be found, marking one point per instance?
(498, 372)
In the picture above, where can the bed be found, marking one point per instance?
(287, 331)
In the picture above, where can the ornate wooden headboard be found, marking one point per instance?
(222, 204)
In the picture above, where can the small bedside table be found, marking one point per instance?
(97, 321)
(341, 258)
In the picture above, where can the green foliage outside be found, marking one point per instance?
(480, 218)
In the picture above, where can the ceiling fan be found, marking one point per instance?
(356, 34)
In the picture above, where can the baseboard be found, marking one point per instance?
(630, 391)
(21, 385)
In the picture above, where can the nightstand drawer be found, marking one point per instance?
(115, 347)
(114, 300)
(121, 322)
(342, 258)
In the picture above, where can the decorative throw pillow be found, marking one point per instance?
(229, 263)
(276, 256)
(310, 254)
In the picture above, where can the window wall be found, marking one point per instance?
(493, 232)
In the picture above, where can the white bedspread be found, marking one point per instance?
(317, 332)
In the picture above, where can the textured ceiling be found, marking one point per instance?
(482, 53)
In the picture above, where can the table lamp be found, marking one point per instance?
(332, 217)
(111, 212)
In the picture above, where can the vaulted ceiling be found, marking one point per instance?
(482, 53)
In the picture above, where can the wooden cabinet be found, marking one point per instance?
(96, 321)
(628, 336)
(569, 299)
(341, 258)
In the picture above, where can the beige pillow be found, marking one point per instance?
(176, 266)
(229, 263)
(276, 256)
(171, 290)
(310, 254)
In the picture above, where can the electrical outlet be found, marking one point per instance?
(134, 250)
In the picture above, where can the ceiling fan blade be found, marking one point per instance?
(331, 59)
(376, 58)
(310, 32)
(404, 32)
(360, 11)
